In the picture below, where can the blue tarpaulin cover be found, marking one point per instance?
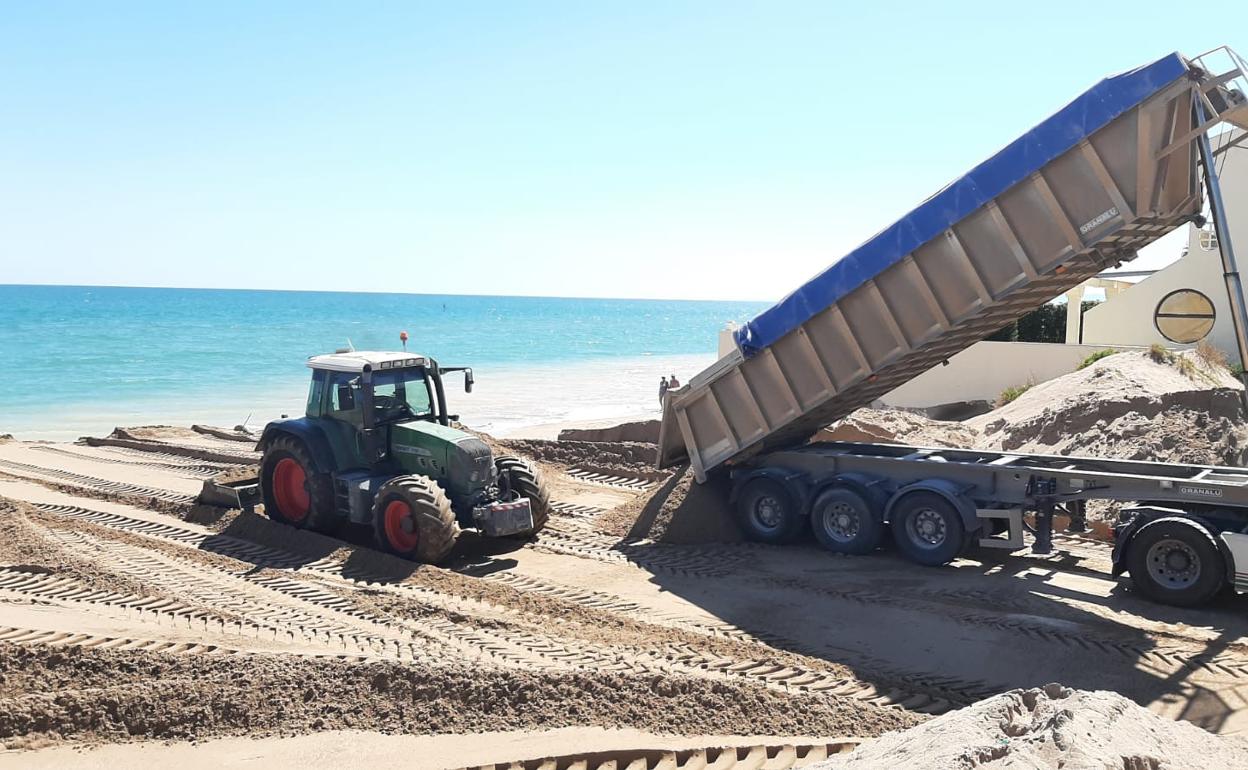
(1090, 112)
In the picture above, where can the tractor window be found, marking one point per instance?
(316, 393)
(400, 393)
(338, 380)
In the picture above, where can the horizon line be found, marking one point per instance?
(371, 291)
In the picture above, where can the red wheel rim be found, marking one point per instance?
(401, 526)
(291, 490)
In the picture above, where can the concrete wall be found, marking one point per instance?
(983, 370)
(1127, 318)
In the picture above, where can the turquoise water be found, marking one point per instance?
(93, 357)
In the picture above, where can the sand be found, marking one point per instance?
(350, 749)
(638, 609)
(1052, 726)
(233, 625)
(47, 693)
(1127, 406)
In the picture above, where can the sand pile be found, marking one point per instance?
(51, 693)
(645, 431)
(1049, 727)
(1127, 406)
(889, 426)
(677, 511)
(622, 457)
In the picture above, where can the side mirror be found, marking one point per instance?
(346, 398)
(468, 381)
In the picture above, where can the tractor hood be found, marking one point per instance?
(463, 461)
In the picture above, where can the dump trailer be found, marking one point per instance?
(1125, 163)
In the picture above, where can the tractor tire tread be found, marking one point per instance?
(528, 481)
(432, 510)
(321, 514)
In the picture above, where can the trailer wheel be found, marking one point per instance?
(767, 512)
(1175, 562)
(927, 528)
(413, 519)
(294, 493)
(843, 522)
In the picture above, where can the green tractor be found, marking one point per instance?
(376, 447)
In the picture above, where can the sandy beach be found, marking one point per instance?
(138, 626)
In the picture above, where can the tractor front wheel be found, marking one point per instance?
(294, 493)
(524, 480)
(412, 518)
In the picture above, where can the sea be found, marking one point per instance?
(81, 360)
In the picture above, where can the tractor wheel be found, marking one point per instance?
(526, 481)
(412, 518)
(294, 493)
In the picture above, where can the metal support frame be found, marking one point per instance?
(1230, 270)
(1043, 544)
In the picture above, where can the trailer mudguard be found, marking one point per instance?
(306, 431)
(946, 489)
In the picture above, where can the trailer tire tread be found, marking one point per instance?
(1212, 577)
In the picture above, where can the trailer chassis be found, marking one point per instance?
(1184, 539)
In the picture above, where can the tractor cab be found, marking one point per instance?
(359, 396)
(377, 445)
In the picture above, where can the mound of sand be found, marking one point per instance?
(897, 426)
(49, 693)
(1049, 727)
(627, 458)
(1127, 406)
(646, 431)
(677, 511)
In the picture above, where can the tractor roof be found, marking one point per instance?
(357, 360)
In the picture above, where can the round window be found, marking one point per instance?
(1184, 316)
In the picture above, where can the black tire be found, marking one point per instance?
(844, 522)
(319, 515)
(1175, 562)
(768, 512)
(426, 531)
(524, 480)
(927, 528)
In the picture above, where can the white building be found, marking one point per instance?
(1129, 318)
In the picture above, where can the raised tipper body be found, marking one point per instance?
(1106, 175)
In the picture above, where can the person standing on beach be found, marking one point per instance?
(673, 383)
(662, 389)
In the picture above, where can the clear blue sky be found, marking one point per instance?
(634, 149)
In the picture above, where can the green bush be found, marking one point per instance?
(1097, 356)
(1160, 353)
(1011, 393)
